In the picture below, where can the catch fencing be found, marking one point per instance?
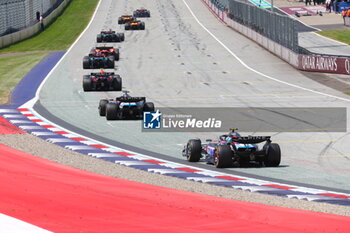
(16, 15)
(279, 28)
(293, 55)
(33, 28)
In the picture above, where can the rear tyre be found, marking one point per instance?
(120, 21)
(87, 83)
(194, 147)
(116, 55)
(127, 27)
(122, 36)
(86, 62)
(117, 83)
(111, 111)
(111, 62)
(148, 107)
(118, 37)
(273, 157)
(224, 157)
(99, 38)
(142, 26)
(102, 107)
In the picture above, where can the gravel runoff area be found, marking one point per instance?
(38, 147)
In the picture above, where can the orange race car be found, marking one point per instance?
(135, 25)
(125, 18)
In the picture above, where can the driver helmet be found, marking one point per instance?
(126, 95)
(232, 134)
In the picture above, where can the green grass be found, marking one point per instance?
(342, 36)
(57, 36)
(13, 69)
(62, 32)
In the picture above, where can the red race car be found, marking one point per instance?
(105, 51)
(142, 12)
(103, 81)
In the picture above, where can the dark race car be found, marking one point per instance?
(102, 81)
(97, 61)
(105, 51)
(135, 25)
(124, 107)
(109, 36)
(234, 150)
(125, 18)
(142, 12)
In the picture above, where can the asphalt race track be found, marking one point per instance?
(175, 62)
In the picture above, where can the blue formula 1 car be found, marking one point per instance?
(98, 61)
(234, 150)
(110, 36)
(124, 107)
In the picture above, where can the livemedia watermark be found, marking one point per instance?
(246, 119)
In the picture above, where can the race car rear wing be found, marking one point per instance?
(97, 56)
(130, 99)
(251, 139)
(104, 48)
(107, 32)
(102, 74)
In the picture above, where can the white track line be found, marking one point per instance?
(255, 71)
(10, 224)
(31, 102)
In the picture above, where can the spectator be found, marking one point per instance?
(343, 14)
(329, 6)
(307, 1)
(41, 20)
(347, 13)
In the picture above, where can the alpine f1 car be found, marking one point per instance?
(135, 25)
(110, 36)
(125, 18)
(142, 12)
(102, 81)
(234, 150)
(124, 107)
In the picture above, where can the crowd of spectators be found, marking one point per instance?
(329, 4)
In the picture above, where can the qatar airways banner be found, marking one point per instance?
(329, 64)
